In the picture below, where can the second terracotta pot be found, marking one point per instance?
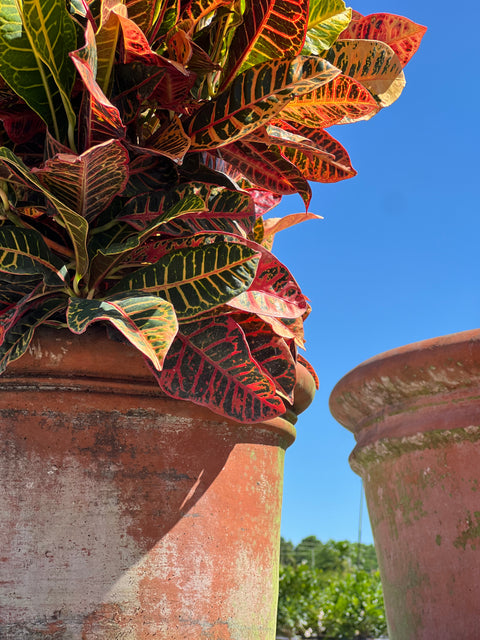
(415, 414)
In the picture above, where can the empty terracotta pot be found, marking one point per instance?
(415, 414)
(128, 515)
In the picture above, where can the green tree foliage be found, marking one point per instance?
(333, 555)
(329, 590)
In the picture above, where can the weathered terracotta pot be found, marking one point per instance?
(415, 414)
(126, 515)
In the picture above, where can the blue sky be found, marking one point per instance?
(395, 259)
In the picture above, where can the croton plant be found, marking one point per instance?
(142, 143)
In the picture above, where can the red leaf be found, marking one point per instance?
(401, 34)
(210, 364)
(267, 169)
(100, 119)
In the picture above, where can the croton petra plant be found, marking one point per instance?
(142, 142)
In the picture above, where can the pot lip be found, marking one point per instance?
(397, 378)
(50, 364)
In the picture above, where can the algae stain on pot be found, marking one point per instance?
(470, 532)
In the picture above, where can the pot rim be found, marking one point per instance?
(430, 372)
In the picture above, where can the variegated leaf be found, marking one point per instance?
(374, 64)
(271, 352)
(326, 20)
(273, 292)
(332, 164)
(15, 287)
(143, 12)
(264, 200)
(35, 38)
(301, 360)
(211, 365)
(112, 249)
(223, 208)
(148, 322)
(89, 182)
(196, 280)
(266, 168)
(272, 226)
(270, 30)
(76, 225)
(165, 17)
(150, 173)
(174, 82)
(401, 34)
(23, 252)
(254, 98)
(101, 120)
(106, 39)
(169, 140)
(287, 328)
(15, 337)
(341, 101)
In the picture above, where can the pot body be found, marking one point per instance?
(125, 515)
(415, 414)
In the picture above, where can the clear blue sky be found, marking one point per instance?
(396, 258)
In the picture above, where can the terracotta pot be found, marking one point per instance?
(415, 414)
(127, 515)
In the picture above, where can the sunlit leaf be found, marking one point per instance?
(196, 280)
(326, 20)
(403, 35)
(35, 38)
(148, 322)
(272, 226)
(341, 101)
(266, 168)
(271, 352)
(254, 98)
(330, 164)
(273, 292)
(210, 364)
(270, 30)
(374, 64)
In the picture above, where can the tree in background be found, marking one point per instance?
(329, 590)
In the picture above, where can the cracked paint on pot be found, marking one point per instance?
(415, 414)
(128, 515)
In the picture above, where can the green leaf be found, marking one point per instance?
(210, 364)
(23, 252)
(113, 249)
(326, 21)
(254, 98)
(76, 225)
(35, 38)
(374, 64)
(87, 183)
(198, 279)
(16, 335)
(148, 322)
